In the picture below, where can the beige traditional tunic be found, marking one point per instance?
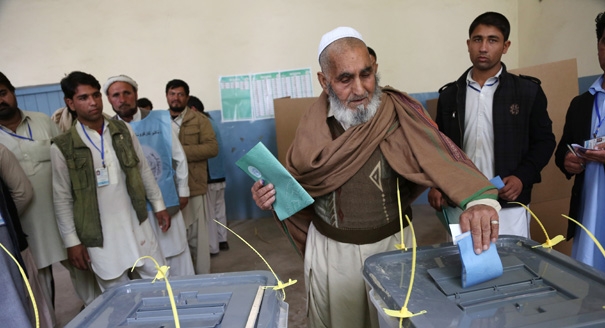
(38, 220)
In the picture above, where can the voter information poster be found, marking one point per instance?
(235, 98)
(250, 97)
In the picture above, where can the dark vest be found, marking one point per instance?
(346, 217)
(78, 159)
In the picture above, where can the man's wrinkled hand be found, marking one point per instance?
(264, 196)
(483, 222)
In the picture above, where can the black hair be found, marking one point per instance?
(144, 102)
(491, 18)
(372, 53)
(5, 82)
(70, 83)
(177, 84)
(196, 102)
(600, 20)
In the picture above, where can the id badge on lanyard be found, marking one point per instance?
(101, 172)
(102, 177)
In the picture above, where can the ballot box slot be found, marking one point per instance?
(194, 309)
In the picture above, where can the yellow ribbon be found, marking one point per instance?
(550, 243)
(588, 233)
(280, 285)
(162, 271)
(29, 288)
(402, 245)
(404, 312)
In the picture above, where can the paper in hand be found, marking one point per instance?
(290, 197)
(478, 268)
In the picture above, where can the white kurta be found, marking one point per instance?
(38, 220)
(125, 240)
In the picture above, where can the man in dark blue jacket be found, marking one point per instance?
(499, 120)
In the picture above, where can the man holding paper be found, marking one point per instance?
(352, 154)
(584, 123)
(500, 121)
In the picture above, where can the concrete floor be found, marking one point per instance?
(270, 242)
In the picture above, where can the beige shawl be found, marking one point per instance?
(407, 137)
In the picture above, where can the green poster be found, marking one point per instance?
(250, 97)
(235, 98)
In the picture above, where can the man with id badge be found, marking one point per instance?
(27, 135)
(101, 185)
(581, 152)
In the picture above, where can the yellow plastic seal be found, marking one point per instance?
(404, 312)
(29, 288)
(162, 274)
(549, 243)
(280, 285)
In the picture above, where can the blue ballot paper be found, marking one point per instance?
(477, 268)
(497, 182)
(290, 197)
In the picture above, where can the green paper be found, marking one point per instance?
(290, 197)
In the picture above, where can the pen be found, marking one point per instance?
(573, 151)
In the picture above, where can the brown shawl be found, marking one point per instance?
(409, 140)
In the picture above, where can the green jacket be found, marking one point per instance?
(79, 161)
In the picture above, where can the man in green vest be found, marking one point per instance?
(101, 184)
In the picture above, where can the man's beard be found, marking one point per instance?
(129, 112)
(7, 111)
(177, 109)
(349, 117)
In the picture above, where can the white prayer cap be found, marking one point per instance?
(119, 78)
(337, 34)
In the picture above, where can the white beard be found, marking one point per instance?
(348, 117)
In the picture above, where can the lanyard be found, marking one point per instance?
(102, 150)
(599, 118)
(30, 138)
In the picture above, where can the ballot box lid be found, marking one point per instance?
(540, 287)
(209, 300)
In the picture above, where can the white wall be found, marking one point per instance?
(420, 43)
(553, 30)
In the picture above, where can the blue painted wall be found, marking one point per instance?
(44, 98)
(238, 139)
